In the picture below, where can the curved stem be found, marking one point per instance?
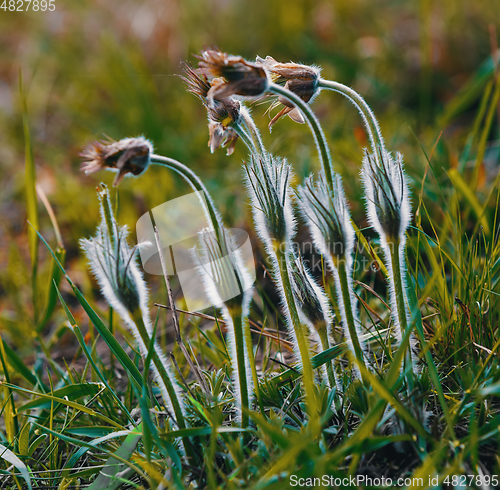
(253, 130)
(317, 130)
(195, 182)
(371, 123)
(245, 137)
(307, 370)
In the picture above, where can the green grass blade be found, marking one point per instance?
(11, 458)
(463, 188)
(88, 354)
(103, 330)
(31, 200)
(107, 478)
(62, 401)
(20, 367)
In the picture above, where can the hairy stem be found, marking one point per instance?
(317, 130)
(251, 358)
(246, 138)
(348, 311)
(325, 345)
(252, 130)
(176, 405)
(239, 340)
(307, 370)
(401, 306)
(371, 123)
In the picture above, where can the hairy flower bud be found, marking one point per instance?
(327, 216)
(222, 115)
(302, 80)
(269, 185)
(242, 77)
(387, 195)
(129, 155)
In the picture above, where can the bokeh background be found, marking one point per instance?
(95, 68)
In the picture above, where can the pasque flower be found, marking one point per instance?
(302, 80)
(223, 114)
(129, 155)
(114, 265)
(241, 77)
(327, 215)
(387, 195)
(268, 180)
(389, 212)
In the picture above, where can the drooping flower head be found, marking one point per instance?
(302, 80)
(129, 155)
(387, 195)
(222, 114)
(241, 77)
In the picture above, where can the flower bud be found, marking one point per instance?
(302, 80)
(242, 77)
(129, 155)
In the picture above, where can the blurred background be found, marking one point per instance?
(93, 68)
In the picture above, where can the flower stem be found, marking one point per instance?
(348, 311)
(239, 340)
(162, 370)
(325, 344)
(251, 358)
(371, 123)
(317, 130)
(400, 304)
(307, 370)
(195, 182)
(253, 130)
(246, 138)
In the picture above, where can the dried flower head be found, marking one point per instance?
(222, 115)
(241, 76)
(302, 80)
(129, 155)
(387, 195)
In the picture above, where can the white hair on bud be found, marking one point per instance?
(265, 210)
(329, 222)
(103, 264)
(387, 196)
